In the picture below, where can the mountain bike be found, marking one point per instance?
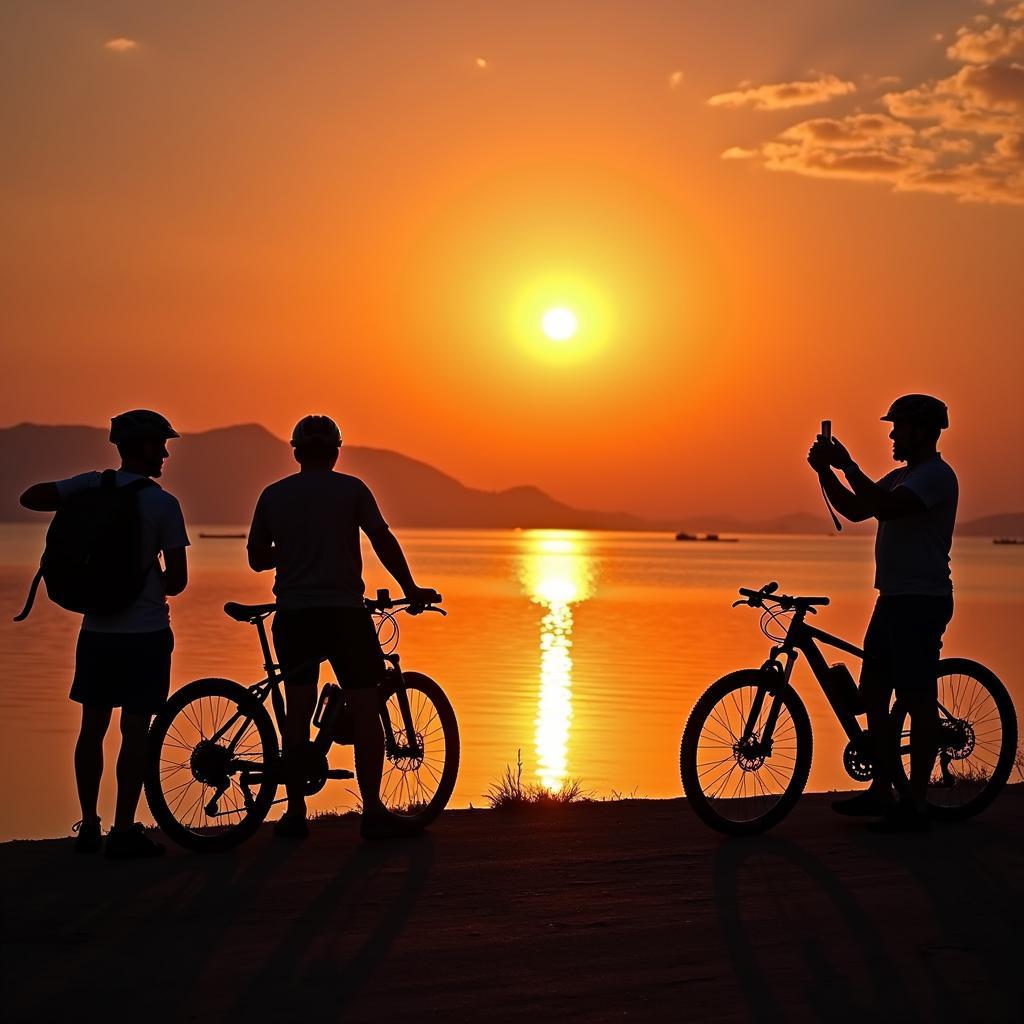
(214, 762)
(746, 750)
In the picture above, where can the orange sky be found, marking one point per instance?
(245, 212)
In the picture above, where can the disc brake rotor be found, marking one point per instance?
(957, 738)
(750, 754)
(406, 761)
(857, 760)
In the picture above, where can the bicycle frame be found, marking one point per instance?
(270, 686)
(801, 637)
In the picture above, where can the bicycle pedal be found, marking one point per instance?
(341, 773)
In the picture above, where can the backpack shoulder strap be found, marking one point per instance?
(31, 599)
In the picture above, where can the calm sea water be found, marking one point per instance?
(584, 651)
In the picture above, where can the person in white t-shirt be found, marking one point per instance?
(123, 659)
(916, 511)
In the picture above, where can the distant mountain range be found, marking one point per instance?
(218, 475)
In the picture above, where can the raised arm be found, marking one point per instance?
(845, 502)
(41, 498)
(865, 499)
(882, 503)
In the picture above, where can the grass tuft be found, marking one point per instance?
(510, 793)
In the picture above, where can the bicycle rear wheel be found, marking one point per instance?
(977, 740)
(417, 788)
(737, 779)
(212, 765)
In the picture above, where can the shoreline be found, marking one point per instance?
(1014, 786)
(501, 813)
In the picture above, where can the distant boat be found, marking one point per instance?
(1008, 540)
(713, 537)
(222, 536)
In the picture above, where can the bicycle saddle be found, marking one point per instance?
(248, 612)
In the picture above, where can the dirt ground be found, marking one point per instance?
(606, 911)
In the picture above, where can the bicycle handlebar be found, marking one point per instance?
(757, 598)
(385, 602)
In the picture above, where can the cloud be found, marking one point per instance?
(961, 135)
(676, 79)
(1011, 147)
(121, 44)
(880, 81)
(967, 164)
(739, 153)
(824, 162)
(783, 95)
(853, 132)
(993, 43)
(986, 99)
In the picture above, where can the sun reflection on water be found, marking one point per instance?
(557, 573)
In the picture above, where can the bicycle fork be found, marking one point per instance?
(782, 674)
(413, 745)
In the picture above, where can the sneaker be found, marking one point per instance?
(385, 826)
(131, 843)
(864, 805)
(904, 816)
(89, 835)
(292, 825)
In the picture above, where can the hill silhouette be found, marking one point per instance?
(1008, 524)
(218, 475)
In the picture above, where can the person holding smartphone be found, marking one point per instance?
(915, 506)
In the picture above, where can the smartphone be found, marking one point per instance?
(826, 429)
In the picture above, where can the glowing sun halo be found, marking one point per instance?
(559, 324)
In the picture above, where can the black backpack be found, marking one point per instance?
(91, 560)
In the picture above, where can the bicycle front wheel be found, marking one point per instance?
(977, 740)
(417, 783)
(746, 752)
(212, 768)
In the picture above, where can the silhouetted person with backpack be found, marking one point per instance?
(102, 559)
(916, 511)
(306, 527)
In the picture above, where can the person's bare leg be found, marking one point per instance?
(877, 798)
(301, 702)
(364, 706)
(877, 698)
(924, 736)
(131, 767)
(89, 758)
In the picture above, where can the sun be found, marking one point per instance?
(559, 323)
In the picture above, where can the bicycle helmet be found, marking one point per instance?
(140, 425)
(316, 430)
(922, 409)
